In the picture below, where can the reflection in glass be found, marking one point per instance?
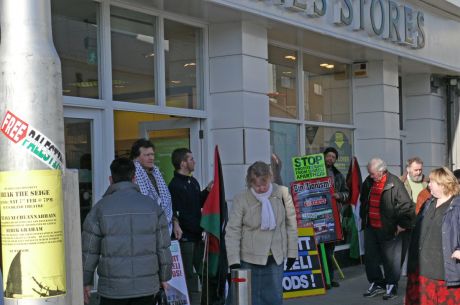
(133, 56)
(282, 82)
(183, 65)
(319, 138)
(285, 144)
(78, 155)
(327, 88)
(75, 36)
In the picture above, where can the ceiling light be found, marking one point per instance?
(190, 64)
(176, 82)
(290, 57)
(287, 72)
(149, 55)
(325, 64)
(330, 66)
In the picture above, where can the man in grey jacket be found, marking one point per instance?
(126, 237)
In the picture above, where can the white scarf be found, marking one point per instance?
(267, 218)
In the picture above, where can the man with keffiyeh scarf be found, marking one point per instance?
(149, 178)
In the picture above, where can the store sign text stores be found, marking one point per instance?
(386, 19)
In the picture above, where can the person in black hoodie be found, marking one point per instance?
(187, 201)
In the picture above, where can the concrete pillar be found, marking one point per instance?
(376, 108)
(425, 121)
(239, 110)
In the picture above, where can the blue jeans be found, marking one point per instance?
(266, 283)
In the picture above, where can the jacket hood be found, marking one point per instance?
(121, 186)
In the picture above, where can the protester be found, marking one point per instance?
(149, 178)
(386, 212)
(414, 180)
(341, 194)
(261, 232)
(434, 253)
(125, 236)
(187, 201)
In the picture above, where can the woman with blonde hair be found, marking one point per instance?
(262, 232)
(434, 253)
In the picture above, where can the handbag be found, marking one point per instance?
(161, 298)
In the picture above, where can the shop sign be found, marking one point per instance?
(387, 19)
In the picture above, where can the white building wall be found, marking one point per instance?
(239, 110)
(376, 109)
(425, 122)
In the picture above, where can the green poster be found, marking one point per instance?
(163, 149)
(309, 167)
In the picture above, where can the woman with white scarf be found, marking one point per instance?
(262, 232)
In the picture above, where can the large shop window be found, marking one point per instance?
(282, 82)
(133, 56)
(326, 90)
(183, 65)
(284, 140)
(75, 35)
(319, 138)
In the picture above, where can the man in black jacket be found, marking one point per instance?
(341, 194)
(187, 201)
(387, 214)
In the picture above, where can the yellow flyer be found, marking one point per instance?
(32, 234)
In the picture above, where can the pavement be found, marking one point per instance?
(350, 292)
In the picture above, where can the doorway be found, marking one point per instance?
(167, 133)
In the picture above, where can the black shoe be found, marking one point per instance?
(374, 290)
(390, 293)
(335, 284)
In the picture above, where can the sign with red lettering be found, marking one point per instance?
(177, 291)
(35, 142)
(14, 128)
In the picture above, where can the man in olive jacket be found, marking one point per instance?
(125, 236)
(387, 214)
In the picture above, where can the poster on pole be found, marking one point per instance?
(177, 292)
(305, 277)
(317, 208)
(32, 229)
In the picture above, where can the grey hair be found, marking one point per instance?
(378, 164)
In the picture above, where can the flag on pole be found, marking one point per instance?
(354, 182)
(213, 221)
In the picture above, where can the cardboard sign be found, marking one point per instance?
(309, 167)
(33, 141)
(305, 277)
(177, 292)
(317, 208)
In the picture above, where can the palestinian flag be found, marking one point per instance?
(354, 182)
(213, 221)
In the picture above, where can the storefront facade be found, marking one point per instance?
(372, 78)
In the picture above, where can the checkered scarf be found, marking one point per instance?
(146, 187)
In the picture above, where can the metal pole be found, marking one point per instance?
(241, 287)
(32, 153)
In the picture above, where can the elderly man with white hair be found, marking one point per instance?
(387, 213)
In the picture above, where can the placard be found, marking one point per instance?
(32, 234)
(305, 277)
(177, 291)
(317, 208)
(309, 167)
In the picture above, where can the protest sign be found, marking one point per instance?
(309, 167)
(177, 291)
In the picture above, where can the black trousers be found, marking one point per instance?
(382, 249)
(147, 300)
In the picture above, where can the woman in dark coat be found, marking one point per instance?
(434, 253)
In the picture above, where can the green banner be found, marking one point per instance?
(309, 167)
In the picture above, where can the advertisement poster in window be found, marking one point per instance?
(341, 142)
(317, 208)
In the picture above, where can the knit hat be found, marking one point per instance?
(332, 150)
